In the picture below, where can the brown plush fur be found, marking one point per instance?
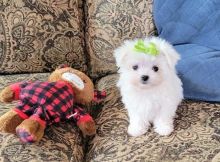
(88, 128)
(6, 95)
(10, 121)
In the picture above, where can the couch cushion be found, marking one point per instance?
(196, 136)
(37, 36)
(111, 22)
(61, 142)
(197, 40)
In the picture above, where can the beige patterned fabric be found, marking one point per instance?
(38, 35)
(196, 137)
(61, 142)
(109, 22)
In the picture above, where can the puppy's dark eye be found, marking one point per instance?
(84, 81)
(135, 67)
(155, 68)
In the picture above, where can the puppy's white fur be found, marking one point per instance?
(156, 100)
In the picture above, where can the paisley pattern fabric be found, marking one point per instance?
(38, 35)
(61, 142)
(109, 22)
(196, 137)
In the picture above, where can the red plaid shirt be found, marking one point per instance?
(46, 102)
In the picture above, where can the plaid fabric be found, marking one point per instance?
(17, 88)
(48, 102)
(78, 113)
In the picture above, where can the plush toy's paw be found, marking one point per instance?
(87, 127)
(30, 131)
(9, 121)
(6, 95)
(25, 136)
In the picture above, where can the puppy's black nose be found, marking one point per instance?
(144, 78)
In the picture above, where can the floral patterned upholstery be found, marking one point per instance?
(109, 22)
(38, 35)
(61, 142)
(196, 136)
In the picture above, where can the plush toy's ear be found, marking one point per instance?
(62, 66)
(167, 50)
(99, 96)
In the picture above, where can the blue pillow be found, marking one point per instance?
(193, 27)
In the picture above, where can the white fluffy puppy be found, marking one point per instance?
(150, 88)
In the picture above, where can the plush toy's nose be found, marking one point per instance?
(99, 95)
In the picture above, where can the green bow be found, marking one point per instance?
(150, 49)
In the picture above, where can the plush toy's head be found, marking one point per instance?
(82, 84)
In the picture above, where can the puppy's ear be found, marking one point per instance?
(120, 53)
(166, 49)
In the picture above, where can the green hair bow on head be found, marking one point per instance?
(150, 49)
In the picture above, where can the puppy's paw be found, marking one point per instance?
(136, 130)
(164, 129)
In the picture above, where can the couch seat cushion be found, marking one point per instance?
(61, 142)
(196, 136)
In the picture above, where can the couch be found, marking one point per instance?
(38, 35)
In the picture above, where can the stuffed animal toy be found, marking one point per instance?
(44, 103)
